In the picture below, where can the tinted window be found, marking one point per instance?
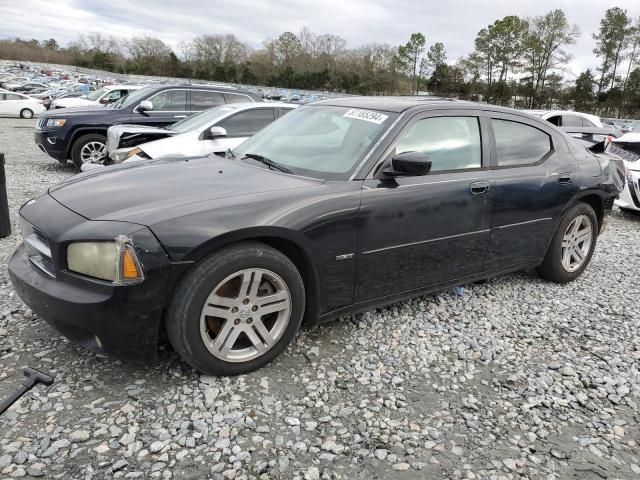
(12, 96)
(452, 143)
(245, 124)
(170, 101)
(572, 121)
(201, 100)
(519, 144)
(233, 98)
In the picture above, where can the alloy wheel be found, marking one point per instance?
(576, 243)
(245, 315)
(93, 152)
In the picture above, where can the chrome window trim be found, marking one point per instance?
(366, 158)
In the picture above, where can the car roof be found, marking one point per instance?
(401, 104)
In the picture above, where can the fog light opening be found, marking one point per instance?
(97, 340)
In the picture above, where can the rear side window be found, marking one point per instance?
(555, 120)
(12, 96)
(203, 100)
(519, 144)
(572, 121)
(233, 98)
(245, 124)
(170, 101)
(452, 143)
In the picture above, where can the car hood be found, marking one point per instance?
(76, 102)
(183, 145)
(131, 191)
(75, 111)
(127, 135)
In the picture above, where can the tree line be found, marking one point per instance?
(515, 61)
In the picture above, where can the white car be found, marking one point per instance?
(629, 199)
(213, 131)
(104, 96)
(17, 104)
(567, 118)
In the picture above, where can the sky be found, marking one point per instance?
(453, 22)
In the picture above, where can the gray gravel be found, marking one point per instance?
(514, 378)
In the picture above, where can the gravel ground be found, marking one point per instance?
(513, 378)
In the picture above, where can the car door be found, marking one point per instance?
(239, 127)
(4, 104)
(169, 106)
(419, 231)
(535, 176)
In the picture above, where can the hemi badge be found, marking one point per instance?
(345, 256)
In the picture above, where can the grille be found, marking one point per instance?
(41, 122)
(38, 249)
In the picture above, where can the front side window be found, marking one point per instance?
(321, 141)
(245, 124)
(170, 101)
(451, 143)
(202, 100)
(519, 144)
(94, 96)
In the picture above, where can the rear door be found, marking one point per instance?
(201, 100)
(535, 177)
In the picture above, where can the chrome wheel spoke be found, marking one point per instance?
(244, 313)
(583, 235)
(255, 340)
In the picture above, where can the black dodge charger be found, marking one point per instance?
(338, 206)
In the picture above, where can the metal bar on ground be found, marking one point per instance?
(5, 221)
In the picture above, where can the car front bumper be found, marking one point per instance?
(630, 196)
(51, 144)
(119, 320)
(103, 318)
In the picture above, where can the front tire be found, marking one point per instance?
(89, 148)
(572, 245)
(236, 310)
(26, 113)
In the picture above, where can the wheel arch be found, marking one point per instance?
(295, 246)
(76, 134)
(594, 200)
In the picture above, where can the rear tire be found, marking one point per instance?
(236, 310)
(87, 148)
(26, 113)
(572, 245)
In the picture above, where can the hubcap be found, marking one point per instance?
(93, 152)
(245, 315)
(576, 243)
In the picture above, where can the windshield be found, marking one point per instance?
(93, 96)
(202, 119)
(319, 141)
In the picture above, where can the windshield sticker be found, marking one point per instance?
(366, 115)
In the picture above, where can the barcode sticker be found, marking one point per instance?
(366, 115)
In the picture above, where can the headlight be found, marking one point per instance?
(121, 154)
(115, 261)
(56, 122)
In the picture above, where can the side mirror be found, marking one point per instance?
(408, 164)
(214, 133)
(144, 106)
(104, 101)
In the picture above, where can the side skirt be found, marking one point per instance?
(387, 300)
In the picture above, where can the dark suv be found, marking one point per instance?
(80, 134)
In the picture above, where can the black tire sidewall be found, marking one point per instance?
(81, 142)
(184, 313)
(552, 268)
(26, 110)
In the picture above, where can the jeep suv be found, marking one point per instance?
(80, 134)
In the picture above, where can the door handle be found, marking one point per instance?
(179, 116)
(479, 187)
(565, 178)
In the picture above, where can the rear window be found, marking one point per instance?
(519, 144)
